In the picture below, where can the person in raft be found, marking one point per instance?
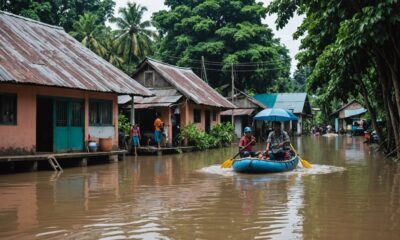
(158, 124)
(135, 134)
(277, 142)
(247, 141)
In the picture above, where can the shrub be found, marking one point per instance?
(124, 123)
(220, 135)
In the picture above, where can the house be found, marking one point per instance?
(54, 92)
(347, 114)
(181, 97)
(297, 103)
(246, 108)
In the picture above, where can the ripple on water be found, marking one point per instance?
(315, 169)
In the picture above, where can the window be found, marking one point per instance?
(197, 115)
(148, 78)
(100, 112)
(8, 109)
(214, 115)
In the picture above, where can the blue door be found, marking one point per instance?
(68, 125)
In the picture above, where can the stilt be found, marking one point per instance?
(113, 158)
(34, 166)
(84, 162)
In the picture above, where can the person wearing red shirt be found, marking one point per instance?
(247, 141)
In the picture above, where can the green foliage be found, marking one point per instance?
(133, 38)
(352, 49)
(124, 123)
(220, 135)
(60, 12)
(227, 32)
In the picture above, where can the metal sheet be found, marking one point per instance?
(238, 112)
(36, 53)
(189, 84)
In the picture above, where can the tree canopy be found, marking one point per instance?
(353, 49)
(60, 12)
(228, 33)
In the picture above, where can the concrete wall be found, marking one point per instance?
(22, 136)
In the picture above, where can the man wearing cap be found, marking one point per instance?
(277, 141)
(247, 141)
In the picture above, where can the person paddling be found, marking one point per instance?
(247, 141)
(276, 142)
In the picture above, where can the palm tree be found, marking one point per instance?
(90, 33)
(133, 37)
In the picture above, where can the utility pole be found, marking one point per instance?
(203, 66)
(233, 92)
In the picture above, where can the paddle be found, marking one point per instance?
(305, 163)
(228, 163)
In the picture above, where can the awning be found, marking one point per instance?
(354, 112)
(238, 112)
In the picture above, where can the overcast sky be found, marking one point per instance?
(284, 34)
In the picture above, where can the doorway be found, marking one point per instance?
(68, 125)
(208, 121)
(44, 124)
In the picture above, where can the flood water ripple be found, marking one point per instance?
(351, 192)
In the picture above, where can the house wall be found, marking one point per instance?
(189, 115)
(159, 82)
(22, 136)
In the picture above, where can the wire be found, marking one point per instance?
(224, 63)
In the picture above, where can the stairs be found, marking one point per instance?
(54, 163)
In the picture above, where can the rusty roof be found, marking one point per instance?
(188, 84)
(239, 112)
(32, 52)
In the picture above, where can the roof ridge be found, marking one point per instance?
(31, 20)
(170, 65)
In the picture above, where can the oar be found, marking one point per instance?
(228, 163)
(305, 163)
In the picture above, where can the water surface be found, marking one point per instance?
(350, 193)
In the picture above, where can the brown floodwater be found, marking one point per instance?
(351, 192)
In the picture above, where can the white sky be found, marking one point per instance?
(284, 34)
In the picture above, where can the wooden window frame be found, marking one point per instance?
(15, 110)
(146, 80)
(99, 104)
(197, 119)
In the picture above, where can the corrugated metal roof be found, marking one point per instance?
(288, 101)
(189, 84)
(354, 112)
(32, 52)
(160, 96)
(238, 112)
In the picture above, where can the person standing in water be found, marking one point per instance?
(157, 131)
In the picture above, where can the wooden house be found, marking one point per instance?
(54, 92)
(181, 97)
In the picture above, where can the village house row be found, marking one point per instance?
(55, 94)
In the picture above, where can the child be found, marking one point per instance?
(135, 134)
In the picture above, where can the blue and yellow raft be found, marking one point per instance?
(255, 165)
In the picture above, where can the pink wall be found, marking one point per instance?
(23, 135)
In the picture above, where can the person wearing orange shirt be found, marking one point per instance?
(158, 133)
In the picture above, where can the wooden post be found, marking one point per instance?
(233, 92)
(133, 109)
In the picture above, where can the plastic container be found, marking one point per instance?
(92, 145)
(105, 144)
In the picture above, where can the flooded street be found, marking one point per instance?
(350, 193)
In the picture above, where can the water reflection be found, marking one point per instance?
(166, 197)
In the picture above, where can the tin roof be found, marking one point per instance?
(239, 112)
(32, 52)
(188, 84)
(161, 98)
(289, 101)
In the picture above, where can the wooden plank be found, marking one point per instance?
(41, 157)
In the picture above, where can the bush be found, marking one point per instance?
(220, 135)
(124, 123)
